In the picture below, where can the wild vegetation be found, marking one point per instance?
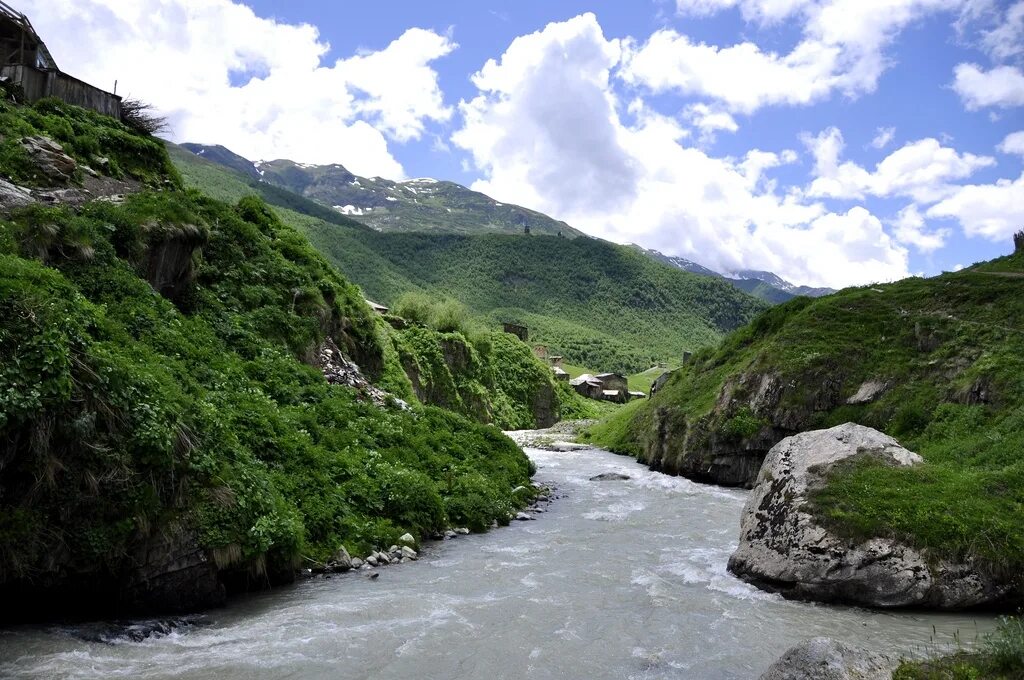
(1000, 656)
(947, 357)
(124, 412)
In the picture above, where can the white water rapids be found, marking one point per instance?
(619, 579)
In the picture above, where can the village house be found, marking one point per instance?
(606, 386)
(376, 306)
(26, 63)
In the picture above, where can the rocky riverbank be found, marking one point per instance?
(783, 547)
(406, 549)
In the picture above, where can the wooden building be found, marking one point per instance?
(25, 62)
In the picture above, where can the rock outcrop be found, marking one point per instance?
(823, 658)
(49, 159)
(12, 196)
(783, 547)
(169, 265)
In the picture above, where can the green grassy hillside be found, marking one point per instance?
(596, 303)
(946, 356)
(130, 418)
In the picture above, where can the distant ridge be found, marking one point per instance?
(420, 205)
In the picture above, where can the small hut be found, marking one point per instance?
(25, 62)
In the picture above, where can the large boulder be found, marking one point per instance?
(823, 658)
(783, 547)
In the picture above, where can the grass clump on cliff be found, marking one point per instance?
(948, 356)
(100, 142)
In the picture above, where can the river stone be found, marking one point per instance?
(407, 539)
(782, 548)
(823, 658)
(341, 561)
(462, 531)
(408, 553)
(356, 563)
(610, 477)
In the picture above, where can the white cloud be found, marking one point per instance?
(1006, 40)
(742, 77)
(263, 88)
(993, 211)
(910, 228)
(921, 170)
(842, 50)
(1013, 143)
(883, 136)
(709, 121)
(1002, 86)
(545, 132)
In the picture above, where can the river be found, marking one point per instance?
(618, 579)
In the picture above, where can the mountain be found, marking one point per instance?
(765, 285)
(776, 281)
(428, 205)
(595, 303)
(421, 205)
(936, 363)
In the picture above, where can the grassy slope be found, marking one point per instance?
(952, 348)
(122, 414)
(596, 303)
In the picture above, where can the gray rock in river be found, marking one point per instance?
(783, 548)
(610, 477)
(823, 658)
(341, 561)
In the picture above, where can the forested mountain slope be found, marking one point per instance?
(596, 303)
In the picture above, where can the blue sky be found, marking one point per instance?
(832, 141)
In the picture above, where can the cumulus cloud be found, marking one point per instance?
(993, 211)
(264, 88)
(842, 50)
(1013, 143)
(910, 228)
(1002, 86)
(545, 131)
(922, 170)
